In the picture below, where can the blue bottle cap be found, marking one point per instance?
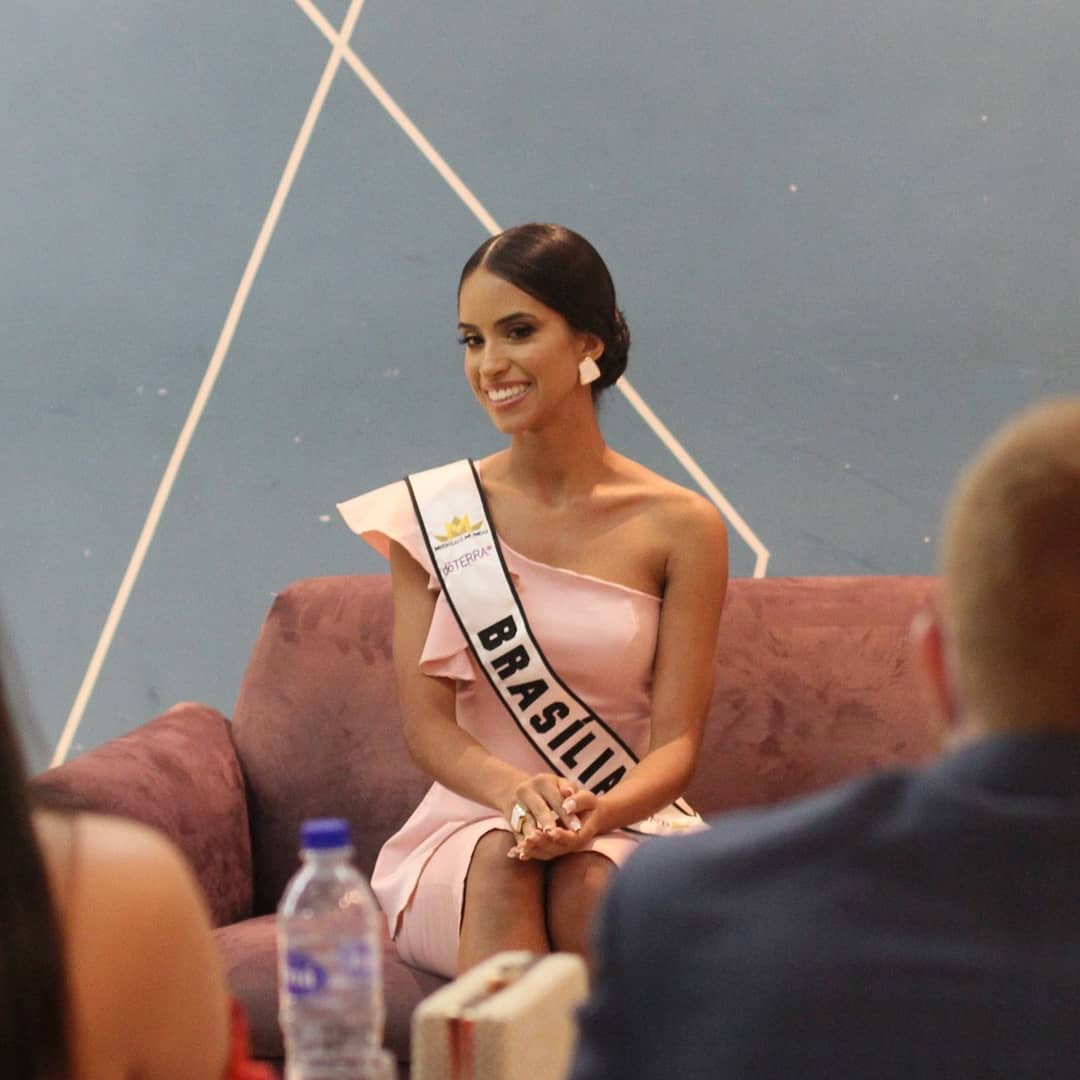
(323, 834)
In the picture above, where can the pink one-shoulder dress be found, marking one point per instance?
(598, 635)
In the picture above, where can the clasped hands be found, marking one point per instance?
(559, 817)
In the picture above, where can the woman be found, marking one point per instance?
(621, 575)
(107, 965)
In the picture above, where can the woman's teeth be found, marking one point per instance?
(503, 394)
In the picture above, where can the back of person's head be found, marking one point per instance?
(562, 270)
(33, 995)
(1011, 575)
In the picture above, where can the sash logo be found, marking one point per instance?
(459, 526)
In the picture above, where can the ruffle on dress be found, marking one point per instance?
(387, 514)
(446, 653)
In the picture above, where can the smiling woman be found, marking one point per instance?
(564, 273)
(554, 693)
(516, 362)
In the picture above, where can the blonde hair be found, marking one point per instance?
(1011, 574)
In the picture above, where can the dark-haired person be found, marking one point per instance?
(555, 619)
(107, 965)
(914, 923)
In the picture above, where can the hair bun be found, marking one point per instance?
(616, 353)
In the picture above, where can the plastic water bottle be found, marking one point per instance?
(330, 963)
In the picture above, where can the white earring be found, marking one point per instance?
(588, 371)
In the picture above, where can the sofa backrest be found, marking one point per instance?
(813, 685)
(317, 728)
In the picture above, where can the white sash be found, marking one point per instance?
(467, 557)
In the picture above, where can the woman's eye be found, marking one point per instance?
(522, 330)
(470, 341)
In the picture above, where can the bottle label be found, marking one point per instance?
(306, 977)
(352, 964)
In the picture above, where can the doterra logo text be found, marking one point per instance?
(466, 559)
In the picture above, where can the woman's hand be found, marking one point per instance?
(581, 808)
(541, 797)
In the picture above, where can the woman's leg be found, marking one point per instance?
(576, 884)
(503, 906)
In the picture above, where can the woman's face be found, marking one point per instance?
(521, 357)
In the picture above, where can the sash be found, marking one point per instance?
(468, 560)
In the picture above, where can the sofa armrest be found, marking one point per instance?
(179, 774)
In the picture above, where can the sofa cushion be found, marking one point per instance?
(178, 774)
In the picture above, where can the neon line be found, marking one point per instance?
(433, 156)
(438, 162)
(206, 387)
(379, 92)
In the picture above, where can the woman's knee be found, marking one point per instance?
(504, 903)
(576, 884)
(492, 879)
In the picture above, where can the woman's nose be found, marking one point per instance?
(492, 360)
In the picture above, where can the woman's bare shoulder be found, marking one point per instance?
(676, 507)
(130, 909)
(102, 849)
(117, 878)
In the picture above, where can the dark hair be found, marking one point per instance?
(33, 985)
(564, 272)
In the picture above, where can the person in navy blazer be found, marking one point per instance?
(911, 923)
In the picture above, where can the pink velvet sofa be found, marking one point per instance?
(814, 684)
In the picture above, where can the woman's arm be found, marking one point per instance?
(695, 586)
(437, 744)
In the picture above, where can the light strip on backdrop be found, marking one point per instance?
(206, 387)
